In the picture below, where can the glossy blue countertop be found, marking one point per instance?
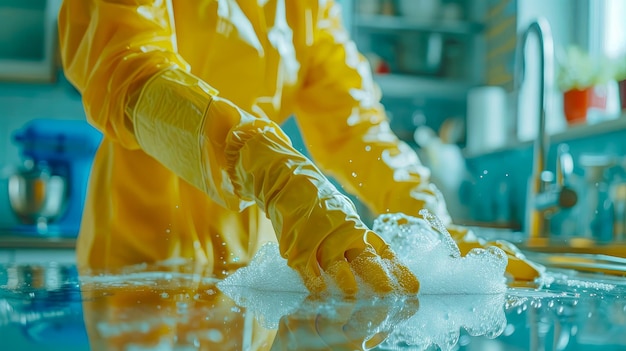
(48, 307)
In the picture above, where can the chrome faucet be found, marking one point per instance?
(544, 195)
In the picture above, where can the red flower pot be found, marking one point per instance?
(577, 102)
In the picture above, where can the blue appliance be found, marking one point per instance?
(67, 148)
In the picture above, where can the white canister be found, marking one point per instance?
(369, 7)
(420, 10)
(486, 118)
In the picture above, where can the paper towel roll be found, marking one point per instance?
(486, 118)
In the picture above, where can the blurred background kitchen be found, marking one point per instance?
(450, 74)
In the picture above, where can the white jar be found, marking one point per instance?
(369, 7)
(419, 10)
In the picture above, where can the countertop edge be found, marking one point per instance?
(8, 241)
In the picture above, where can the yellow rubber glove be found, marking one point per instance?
(518, 268)
(348, 325)
(239, 159)
(319, 229)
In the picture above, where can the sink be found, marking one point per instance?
(574, 246)
(605, 264)
(581, 254)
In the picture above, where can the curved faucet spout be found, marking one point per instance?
(541, 28)
(543, 198)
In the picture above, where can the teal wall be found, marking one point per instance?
(497, 191)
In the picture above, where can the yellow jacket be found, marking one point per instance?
(183, 172)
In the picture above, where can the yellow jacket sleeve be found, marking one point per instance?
(347, 132)
(109, 49)
(122, 56)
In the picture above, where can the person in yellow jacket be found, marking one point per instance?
(190, 96)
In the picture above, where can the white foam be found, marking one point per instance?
(433, 256)
(455, 292)
(444, 234)
(590, 285)
(440, 319)
(267, 286)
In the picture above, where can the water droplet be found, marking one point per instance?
(167, 231)
(368, 148)
(354, 174)
(181, 307)
(215, 336)
(485, 171)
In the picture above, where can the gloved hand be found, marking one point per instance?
(519, 268)
(239, 159)
(318, 228)
(348, 325)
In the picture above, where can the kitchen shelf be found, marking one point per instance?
(404, 86)
(397, 23)
(574, 132)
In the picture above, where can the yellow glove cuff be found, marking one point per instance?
(174, 123)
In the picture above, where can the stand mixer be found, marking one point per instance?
(48, 193)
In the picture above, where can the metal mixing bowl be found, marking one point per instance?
(36, 196)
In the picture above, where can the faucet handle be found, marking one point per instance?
(568, 197)
(564, 164)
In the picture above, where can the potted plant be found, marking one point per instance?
(582, 80)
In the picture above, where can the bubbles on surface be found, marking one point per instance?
(445, 235)
(441, 317)
(590, 285)
(267, 286)
(267, 271)
(433, 256)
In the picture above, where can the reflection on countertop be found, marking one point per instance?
(174, 306)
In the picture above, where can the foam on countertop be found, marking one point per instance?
(431, 254)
